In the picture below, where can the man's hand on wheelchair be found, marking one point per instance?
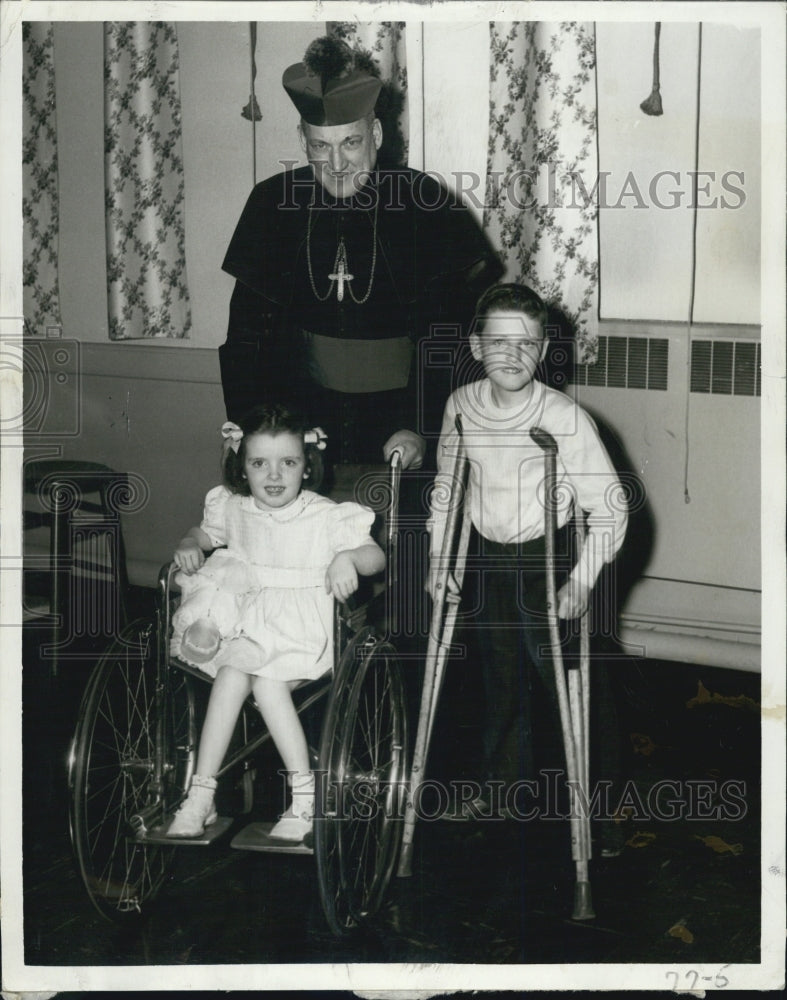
(188, 555)
(572, 599)
(411, 446)
(341, 577)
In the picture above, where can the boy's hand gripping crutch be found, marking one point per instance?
(574, 702)
(445, 605)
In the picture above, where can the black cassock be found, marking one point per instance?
(353, 310)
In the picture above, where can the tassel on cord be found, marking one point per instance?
(652, 104)
(251, 112)
(250, 109)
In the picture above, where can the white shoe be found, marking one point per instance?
(297, 822)
(292, 827)
(197, 811)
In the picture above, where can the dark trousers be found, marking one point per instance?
(511, 633)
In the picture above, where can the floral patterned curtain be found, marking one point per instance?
(542, 135)
(384, 42)
(146, 267)
(40, 206)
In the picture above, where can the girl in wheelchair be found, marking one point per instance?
(257, 614)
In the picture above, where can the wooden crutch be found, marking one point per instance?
(574, 699)
(445, 606)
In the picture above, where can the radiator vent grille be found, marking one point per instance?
(627, 363)
(725, 367)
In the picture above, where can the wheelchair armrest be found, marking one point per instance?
(352, 612)
(356, 614)
(166, 577)
(166, 590)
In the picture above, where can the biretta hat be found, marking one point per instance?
(328, 88)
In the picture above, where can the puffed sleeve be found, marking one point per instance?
(214, 515)
(350, 526)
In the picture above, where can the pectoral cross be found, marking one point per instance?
(340, 272)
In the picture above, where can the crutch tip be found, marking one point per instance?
(583, 904)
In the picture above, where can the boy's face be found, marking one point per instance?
(510, 347)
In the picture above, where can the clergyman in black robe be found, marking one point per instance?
(350, 278)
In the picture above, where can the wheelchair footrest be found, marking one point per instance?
(211, 833)
(256, 837)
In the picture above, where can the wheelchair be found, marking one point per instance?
(134, 749)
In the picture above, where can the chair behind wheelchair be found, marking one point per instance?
(134, 750)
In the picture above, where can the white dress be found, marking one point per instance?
(268, 584)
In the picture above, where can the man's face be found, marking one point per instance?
(342, 156)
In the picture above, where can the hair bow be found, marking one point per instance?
(232, 434)
(317, 437)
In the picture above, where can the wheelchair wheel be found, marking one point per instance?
(114, 773)
(360, 784)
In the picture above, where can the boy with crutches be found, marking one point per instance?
(507, 506)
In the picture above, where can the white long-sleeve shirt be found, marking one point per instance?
(506, 474)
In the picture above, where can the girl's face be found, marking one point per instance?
(275, 467)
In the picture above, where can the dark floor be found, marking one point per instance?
(683, 890)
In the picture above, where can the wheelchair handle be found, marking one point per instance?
(392, 538)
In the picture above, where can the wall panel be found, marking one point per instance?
(645, 249)
(728, 239)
